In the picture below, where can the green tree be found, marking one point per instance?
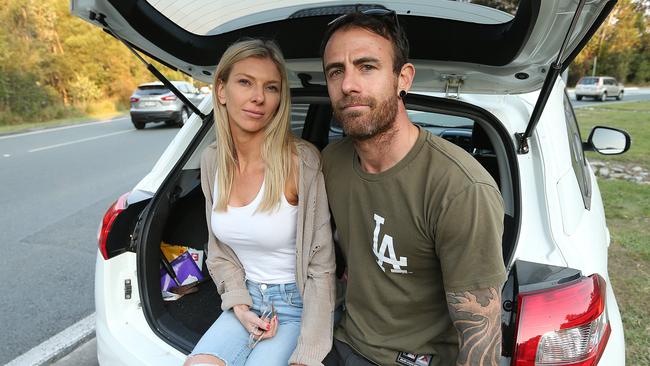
(52, 63)
(640, 64)
(613, 48)
(22, 91)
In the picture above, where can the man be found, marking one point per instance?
(419, 220)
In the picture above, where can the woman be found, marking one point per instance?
(270, 248)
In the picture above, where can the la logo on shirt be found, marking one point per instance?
(386, 248)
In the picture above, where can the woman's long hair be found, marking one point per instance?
(278, 143)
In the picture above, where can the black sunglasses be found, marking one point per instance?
(379, 12)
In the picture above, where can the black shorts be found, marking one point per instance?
(343, 355)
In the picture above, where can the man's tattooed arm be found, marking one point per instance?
(477, 318)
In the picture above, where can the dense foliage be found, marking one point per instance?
(53, 65)
(620, 47)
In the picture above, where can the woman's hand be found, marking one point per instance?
(262, 328)
(272, 329)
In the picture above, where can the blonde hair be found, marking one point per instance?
(278, 145)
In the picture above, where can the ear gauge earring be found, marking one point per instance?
(402, 93)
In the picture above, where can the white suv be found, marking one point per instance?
(486, 80)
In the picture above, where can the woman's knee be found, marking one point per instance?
(203, 360)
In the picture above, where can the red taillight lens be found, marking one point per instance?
(564, 325)
(134, 100)
(109, 218)
(168, 98)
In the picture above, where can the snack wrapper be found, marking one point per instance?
(186, 271)
(172, 251)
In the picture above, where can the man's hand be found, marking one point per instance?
(477, 317)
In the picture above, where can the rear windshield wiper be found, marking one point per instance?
(101, 19)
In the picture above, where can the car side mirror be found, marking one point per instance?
(608, 141)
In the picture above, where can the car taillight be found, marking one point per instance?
(565, 325)
(134, 100)
(168, 98)
(107, 223)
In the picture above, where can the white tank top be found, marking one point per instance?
(264, 242)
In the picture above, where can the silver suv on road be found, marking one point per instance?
(154, 102)
(599, 87)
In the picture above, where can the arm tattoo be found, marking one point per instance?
(477, 318)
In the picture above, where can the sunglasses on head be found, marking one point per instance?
(378, 12)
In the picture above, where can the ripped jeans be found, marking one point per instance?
(228, 340)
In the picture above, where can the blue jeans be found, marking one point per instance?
(228, 340)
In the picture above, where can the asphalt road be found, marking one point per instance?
(631, 95)
(55, 186)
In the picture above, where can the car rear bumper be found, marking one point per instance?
(123, 334)
(154, 116)
(125, 338)
(589, 93)
(614, 353)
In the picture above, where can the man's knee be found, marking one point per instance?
(204, 360)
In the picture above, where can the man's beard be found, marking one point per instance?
(362, 126)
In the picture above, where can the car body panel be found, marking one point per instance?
(208, 17)
(123, 334)
(580, 235)
(531, 40)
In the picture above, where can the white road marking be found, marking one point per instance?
(78, 141)
(60, 128)
(58, 345)
(6, 155)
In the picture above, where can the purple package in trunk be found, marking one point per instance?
(186, 272)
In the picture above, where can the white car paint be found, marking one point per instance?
(123, 335)
(555, 229)
(208, 17)
(539, 50)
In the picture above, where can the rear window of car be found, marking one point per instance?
(443, 125)
(588, 81)
(430, 119)
(152, 89)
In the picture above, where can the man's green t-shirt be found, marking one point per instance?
(430, 224)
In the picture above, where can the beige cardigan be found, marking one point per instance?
(315, 264)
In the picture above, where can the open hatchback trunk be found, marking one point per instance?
(458, 48)
(487, 50)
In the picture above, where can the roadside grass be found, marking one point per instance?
(627, 208)
(54, 116)
(30, 126)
